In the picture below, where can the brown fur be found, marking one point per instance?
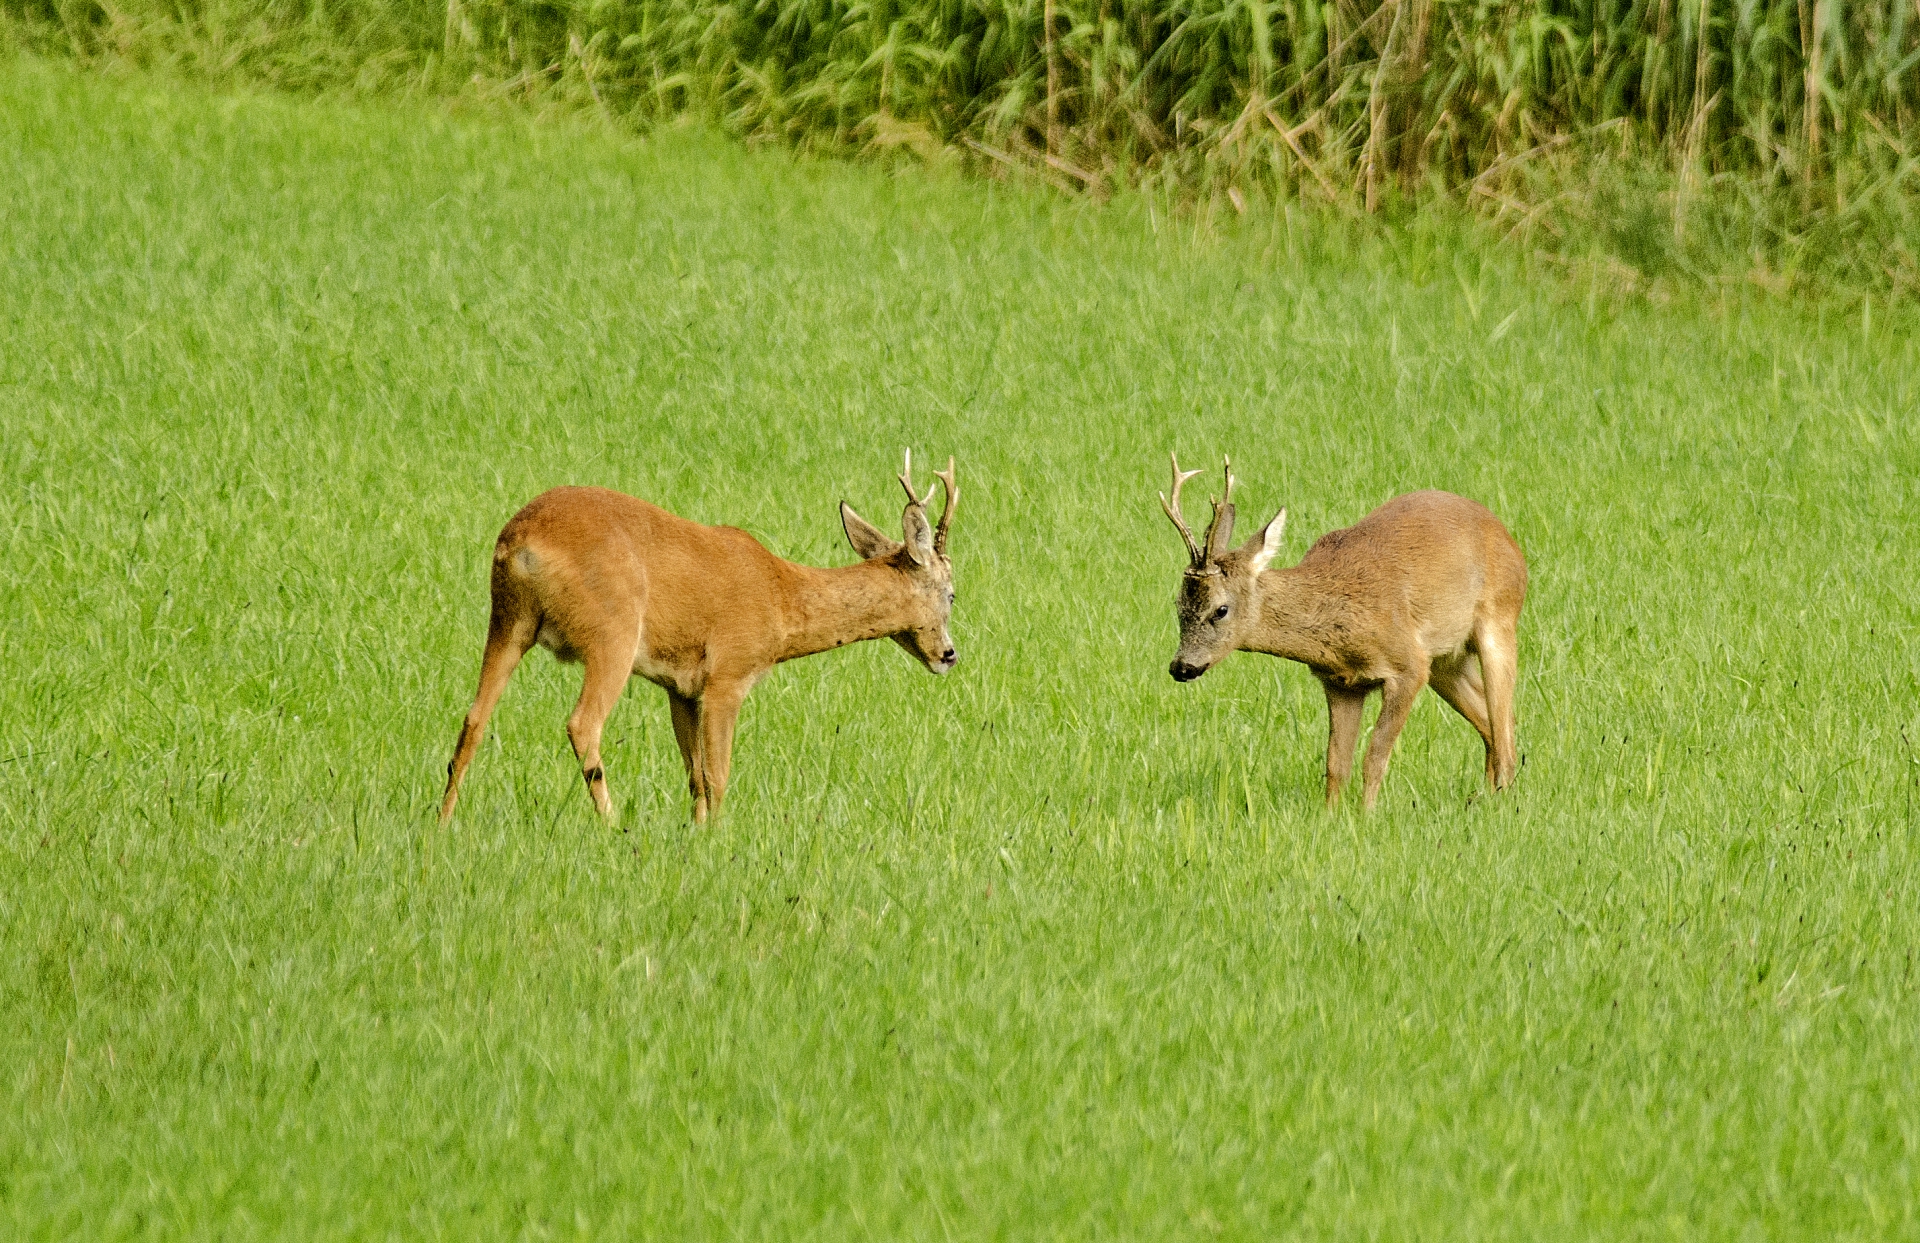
(1424, 591)
(626, 588)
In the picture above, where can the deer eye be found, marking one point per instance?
(1220, 612)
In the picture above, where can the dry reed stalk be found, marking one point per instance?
(1700, 53)
(1662, 34)
(1292, 138)
(1690, 172)
(1810, 49)
(1377, 99)
(1332, 58)
(1053, 81)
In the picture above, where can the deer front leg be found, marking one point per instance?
(1397, 694)
(1343, 730)
(719, 710)
(686, 732)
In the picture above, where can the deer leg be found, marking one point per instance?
(719, 710)
(1499, 661)
(686, 732)
(1343, 730)
(1460, 686)
(506, 644)
(1397, 695)
(606, 677)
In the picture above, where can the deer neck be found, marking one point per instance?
(1298, 619)
(829, 608)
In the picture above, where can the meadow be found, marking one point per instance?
(1050, 947)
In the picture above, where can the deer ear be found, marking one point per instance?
(867, 540)
(1267, 543)
(1220, 534)
(919, 535)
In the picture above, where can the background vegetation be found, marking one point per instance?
(1051, 947)
(1768, 138)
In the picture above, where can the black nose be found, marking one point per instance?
(1184, 672)
(948, 656)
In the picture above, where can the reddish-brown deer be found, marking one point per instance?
(1424, 591)
(625, 587)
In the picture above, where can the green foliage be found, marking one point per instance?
(1350, 101)
(1051, 947)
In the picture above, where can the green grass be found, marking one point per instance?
(1051, 947)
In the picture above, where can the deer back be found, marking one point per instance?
(598, 575)
(597, 568)
(1410, 581)
(1427, 566)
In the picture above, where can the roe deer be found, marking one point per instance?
(1425, 590)
(704, 612)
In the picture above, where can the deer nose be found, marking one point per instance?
(949, 656)
(1184, 672)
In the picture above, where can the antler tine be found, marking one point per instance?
(1227, 465)
(1172, 507)
(906, 481)
(949, 481)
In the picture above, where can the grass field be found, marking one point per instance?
(1048, 948)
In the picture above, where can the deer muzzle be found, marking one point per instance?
(1184, 670)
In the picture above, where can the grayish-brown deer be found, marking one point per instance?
(1424, 591)
(625, 587)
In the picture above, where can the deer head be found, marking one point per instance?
(922, 558)
(1219, 592)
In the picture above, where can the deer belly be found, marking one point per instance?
(551, 638)
(649, 664)
(1355, 675)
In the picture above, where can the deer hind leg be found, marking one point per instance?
(1343, 731)
(1397, 696)
(1500, 661)
(1460, 685)
(719, 710)
(507, 642)
(686, 732)
(607, 673)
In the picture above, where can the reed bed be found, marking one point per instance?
(1775, 129)
(1343, 95)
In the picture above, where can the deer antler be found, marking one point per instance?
(906, 481)
(947, 479)
(1172, 507)
(1222, 508)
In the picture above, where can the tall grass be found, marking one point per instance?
(1351, 100)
